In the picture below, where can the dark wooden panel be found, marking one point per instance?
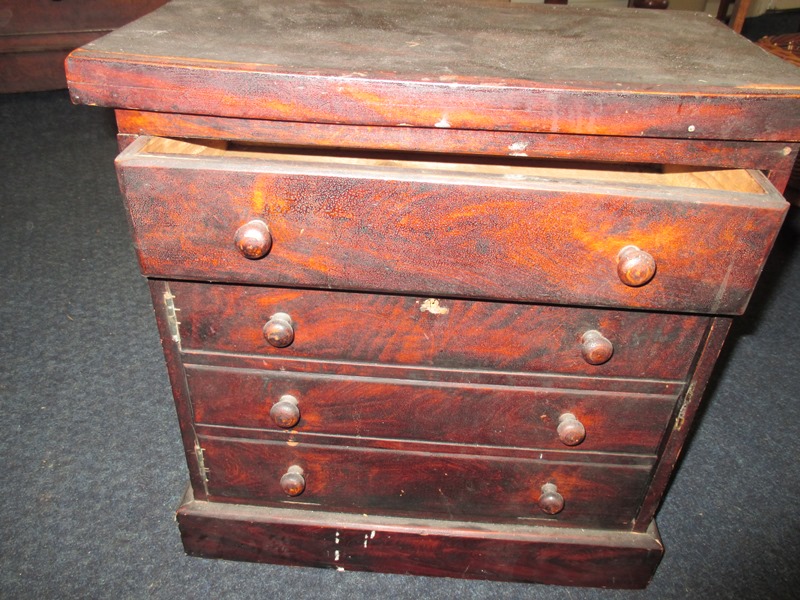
(658, 387)
(37, 16)
(479, 235)
(447, 486)
(431, 64)
(765, 155)
(459, 334)
(467, 414)
(420, 547)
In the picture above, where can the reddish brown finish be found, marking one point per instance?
(596, 348)
(571, 432)
(767, 156)
(415, 377)
(292, 482)
(253, 239)
(424, 64)
(446, 334)
(279, 330)
(406, 230)
(443, 486)
(635, 267)
(551, 502)
(165, 319)
(285, 412)
(435, 411)
(401, 545)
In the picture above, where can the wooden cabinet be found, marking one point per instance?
(439, 292)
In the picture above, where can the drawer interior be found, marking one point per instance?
(658, 175)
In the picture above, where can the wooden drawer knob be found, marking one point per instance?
(571, 432)
(279, 330)
(253, 239)
(596, 348)
(292, 482)
(285, 412)
(551, 502)
(635, 267)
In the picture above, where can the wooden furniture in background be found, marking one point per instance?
(37, 35)
(439, 290)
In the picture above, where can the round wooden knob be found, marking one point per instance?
(571, 432)
(635, 267)
(253, 239)
(292, 482)
(279, 330)
(551, 502)
(596, 348)
(285, 412)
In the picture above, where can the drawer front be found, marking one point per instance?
(442, 333)
(437, 412)
(373, 481)
(499, 236)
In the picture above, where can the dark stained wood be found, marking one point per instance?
(352, 542)
(353, 226)
(444, 333)
(45, 16)
(444, 486)
(681, 424)
(470, 375)
(429, 64)
(717, 153)
(439, 412)
(165, 319)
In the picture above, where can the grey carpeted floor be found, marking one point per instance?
(92, 465)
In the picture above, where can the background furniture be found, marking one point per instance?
(37, 35)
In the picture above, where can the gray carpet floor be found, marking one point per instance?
(92, 465)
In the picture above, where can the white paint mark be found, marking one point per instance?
(787, 151)
(336, 556)
(443, 123)
(432, 306)
(372, 535)
(366, 539)
(518, 146)
(340, 569)
(518, 154)
(337, 537)
(691, 127)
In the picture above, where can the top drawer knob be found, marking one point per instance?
(635, 267)
(279, 330)
(253, 239)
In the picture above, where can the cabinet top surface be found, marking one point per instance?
(437, 55)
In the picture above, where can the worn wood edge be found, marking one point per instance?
(595, 558)
(159, 291)
(249, 435)
(136, 156)
(657, 387)
(716, 153)
(728, 180)
(90, 72)
(681, 424)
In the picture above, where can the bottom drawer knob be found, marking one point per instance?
(551, 502)
(571, 432)
(285, 412)
(292, 482)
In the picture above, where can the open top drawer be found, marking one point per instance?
(674, 238)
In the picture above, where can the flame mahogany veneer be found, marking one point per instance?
(440, 285)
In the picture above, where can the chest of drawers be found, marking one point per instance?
(439, 291)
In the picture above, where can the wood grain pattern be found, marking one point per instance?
(352, 542)
(447, 333)
(418, 231)
(427, 65)
(456, 413)
(442, 486)
(766, 156)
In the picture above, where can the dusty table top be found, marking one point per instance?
(412, 62)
